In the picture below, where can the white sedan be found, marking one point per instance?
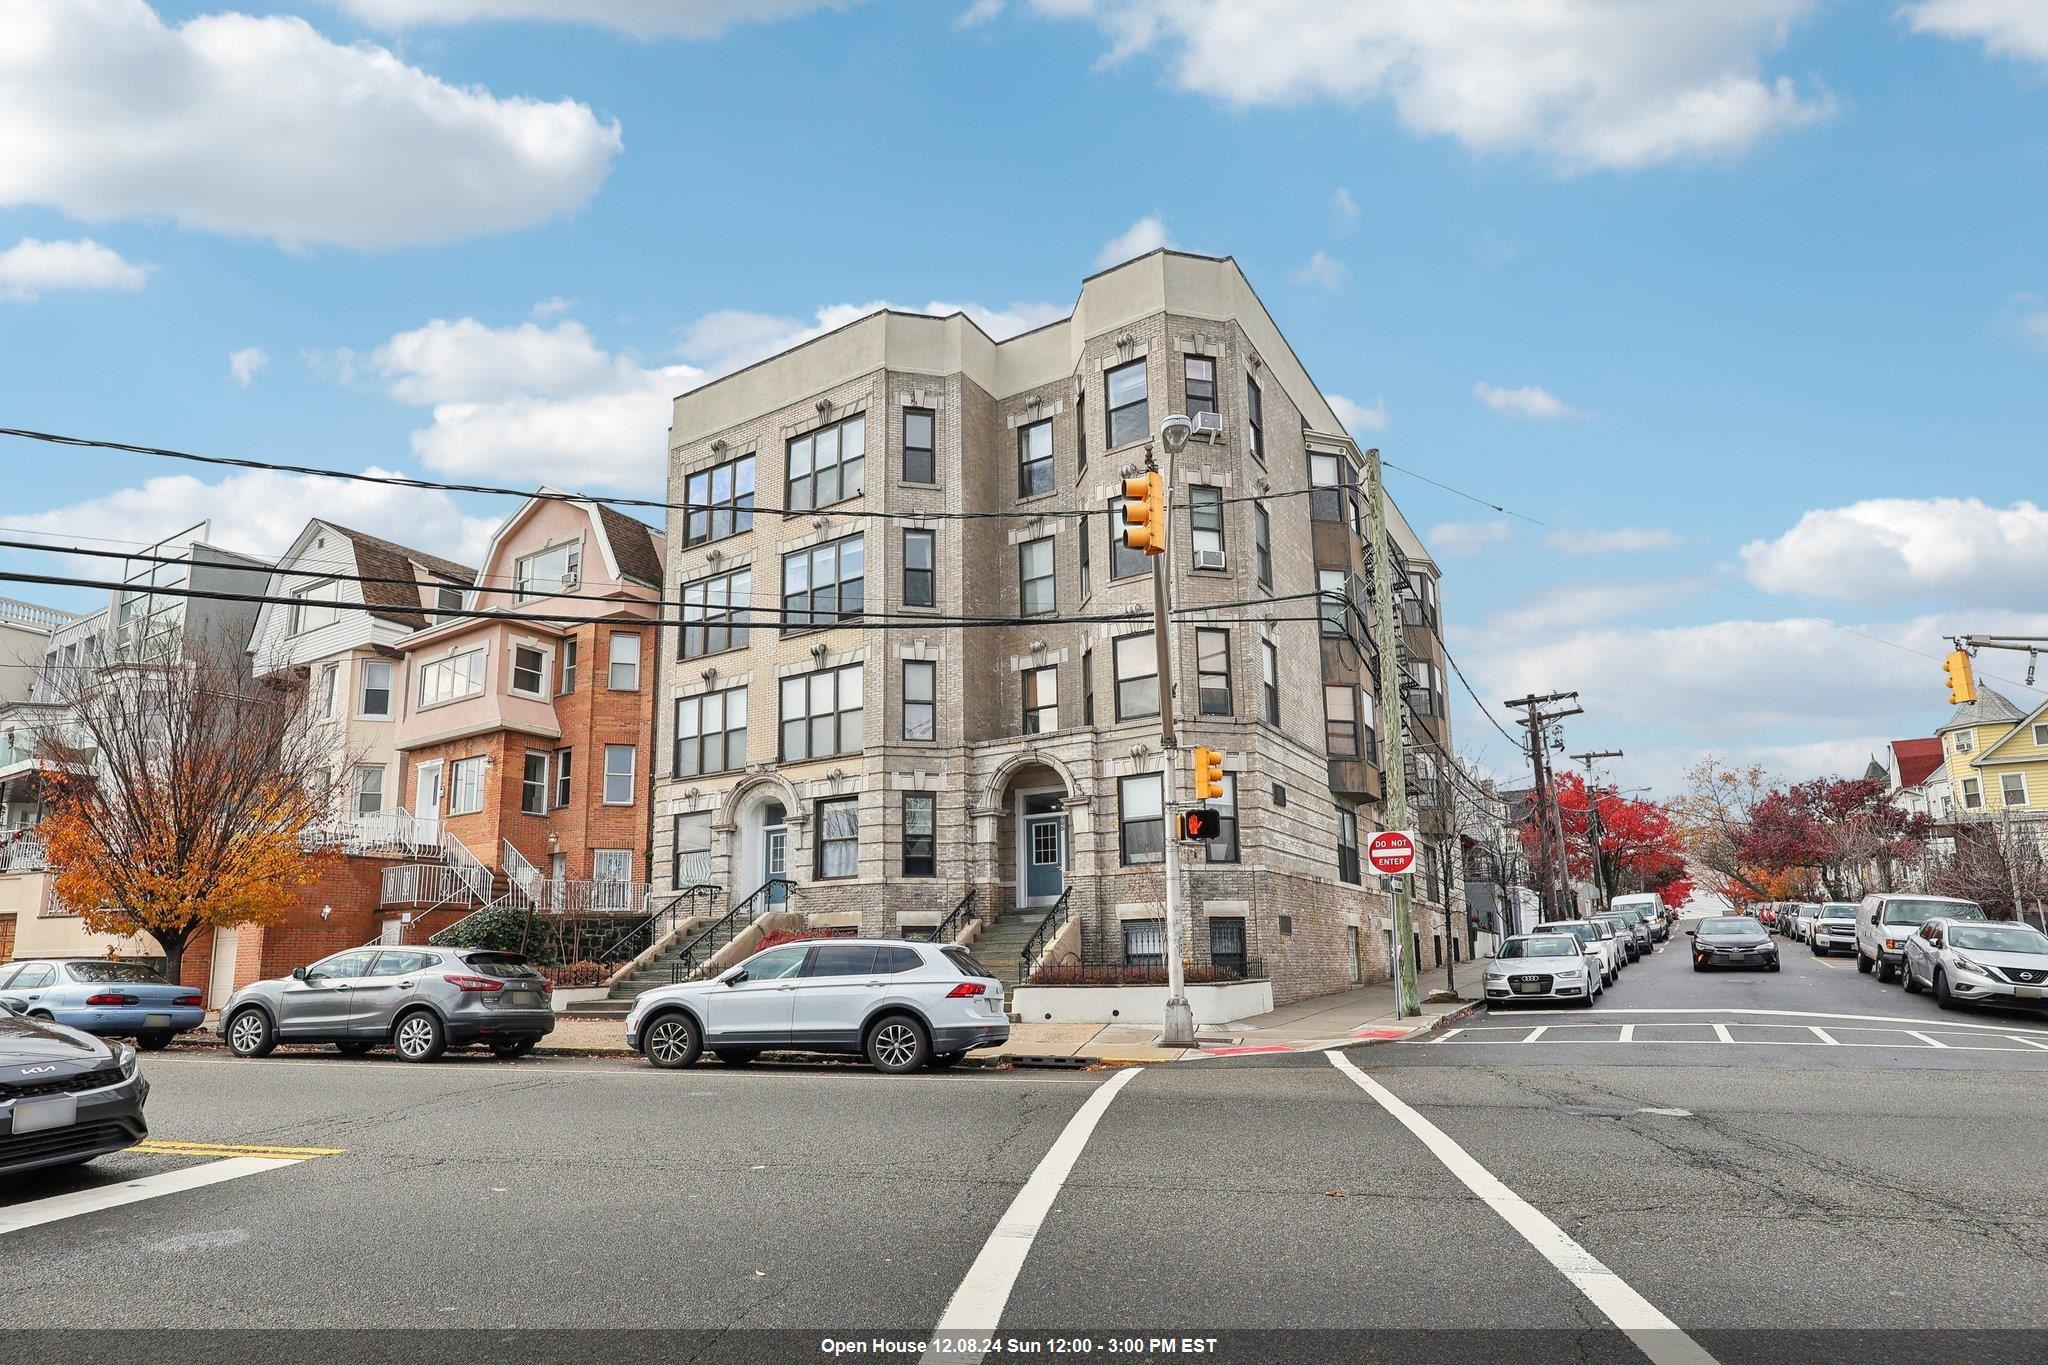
(1544, 967)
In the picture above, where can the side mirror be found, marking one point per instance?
(733, 976)
(1692, 933)
(300, 974)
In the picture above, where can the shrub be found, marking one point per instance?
(782, 936)
(574, 974)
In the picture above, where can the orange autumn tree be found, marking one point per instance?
(185, 789)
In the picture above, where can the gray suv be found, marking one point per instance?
(420, 1001)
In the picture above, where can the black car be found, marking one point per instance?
(1733, 941)
(65, 1096)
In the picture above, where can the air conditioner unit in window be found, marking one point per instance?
(570, 578)
(1208, 426)
(1209, 559)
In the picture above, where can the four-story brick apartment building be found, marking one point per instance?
(831, 714)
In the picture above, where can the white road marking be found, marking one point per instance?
(2005, 1029)
(1655, 1335)
(1628, 1034)
(1447, 1035)
(1823, 1035)
(1537, 1032)
(976, 1308)
(1931, 1042)
(58, 1207)
(2030, 1042)
(1721, 1033)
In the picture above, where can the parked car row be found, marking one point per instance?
(99, 996)
(1530, 967)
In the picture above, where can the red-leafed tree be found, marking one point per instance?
(1640, 847)
(1844, 831)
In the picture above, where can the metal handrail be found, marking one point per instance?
(520, 872)
(948, 929)
(1055, 919)
(669, 913)
(695, 955)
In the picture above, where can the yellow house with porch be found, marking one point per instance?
(1997, 757)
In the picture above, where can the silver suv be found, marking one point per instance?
(904, 1005)
(418, 1000)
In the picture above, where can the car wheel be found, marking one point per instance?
(734, 1057)
(1908, 980)
(508, 1048)
(897, 1044)
(1886, 972)
(354, 1047)
(153, 1042)
(250, 1033)
(1819, 951)
(1773, 965)
(1698, 965)
(672, 1041)
(1942, 995)
(419, 1037)
(941, 1060)
(1863, 964)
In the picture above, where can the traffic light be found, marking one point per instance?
(1145, 514)
(1201, 824)
(1962, 685)
(1208, 774)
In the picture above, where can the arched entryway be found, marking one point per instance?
(762, 841)
(1035, 838)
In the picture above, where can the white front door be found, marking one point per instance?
(426, 799)
(220, 981)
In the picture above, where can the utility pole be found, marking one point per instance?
(1536, 717)
(1407, 999)
(1593, 831)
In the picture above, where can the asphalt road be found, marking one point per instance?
(1835, 1154)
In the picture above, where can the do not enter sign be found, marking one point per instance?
(1391, 852)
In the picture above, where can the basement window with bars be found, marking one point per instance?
(1144, 943)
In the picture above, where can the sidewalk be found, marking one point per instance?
(1349, 1018)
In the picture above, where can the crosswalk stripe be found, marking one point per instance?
(58, 1207)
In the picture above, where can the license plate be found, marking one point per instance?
(522, 999)
(40, 1115)
(1528, 988)
(2031, 992)
(156, 1021)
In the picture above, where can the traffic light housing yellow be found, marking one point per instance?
(1962, 684)
(1145, 514)
(1208, 774)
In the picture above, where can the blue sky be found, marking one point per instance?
(1758, 292)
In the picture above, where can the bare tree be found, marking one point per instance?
(1714, 815)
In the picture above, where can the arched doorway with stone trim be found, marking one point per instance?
(764, 820)
(1028, 832)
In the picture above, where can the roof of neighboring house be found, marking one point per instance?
(2019, 734)
(1916, 758)
(380, 558)
(633, 545)
(1990, 708)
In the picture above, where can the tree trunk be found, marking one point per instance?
(173, 943)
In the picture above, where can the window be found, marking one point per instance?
(1262, 543)
(1212, 672)
(373, 688)
(1205, 517)
(842, 959)
(1255, 413)
(1269, 680)
(1081, 429)
(1087, 687)
(920, 699)
(1340, 721)
(452, 678)
(613, 865)
(1200, 373)
(1369, 729)
(711, 732)
(563, 759)
(313, 607)
(822, 585)
(721, 501)
(1226, 946)
(838, 838)
(1141, 819)
(2012, 789)
(715, 612)
(546, 572)
(370, 789)
(821, 714)
(619, 761)
(466, 786)
(1124, 562)
(1137, 677)
(1129, 418)
(1034, 459)
(919, 466)
(1041, 700)
(1036, 594)
(920, 569)
(920, 834)
(533, 784)
(623, 673)
(690, 852)
(1973, 794)
(826, 466)
(1328, 487)
(1144, 943)
(529, 670)
(2041, 736)
(1087, 583)
(1332, 587)
(447, 601)
(1347, 846)
(1223, 848)
(330, 686)
(1966, 740)
(571, 649)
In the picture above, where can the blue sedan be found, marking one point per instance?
(99, 996)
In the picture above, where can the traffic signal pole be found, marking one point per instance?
(1178, 1027)
(1407, 998)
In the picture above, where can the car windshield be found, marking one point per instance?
(1904, 911)
(113, 971)
(1998, 938)
(509, 965)
(1583, 932)
(1539, 947)
(1730, 928)
(1838, 912)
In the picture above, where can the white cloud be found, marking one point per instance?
(2008, 28)
(552, 307)
(243, 364)
(639, 18)
(466, 361)
(1574, 605)
(1145, 235)
(1357, 417)
(2035, 325)
(979, 13)
(1538, 405)
(30, 267)
(1608, 85)
(1629, 539)
(262, 127)
(1460, 539)
(1885, 549)
(1324, 272)
(261, 512)
(1343, 208)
